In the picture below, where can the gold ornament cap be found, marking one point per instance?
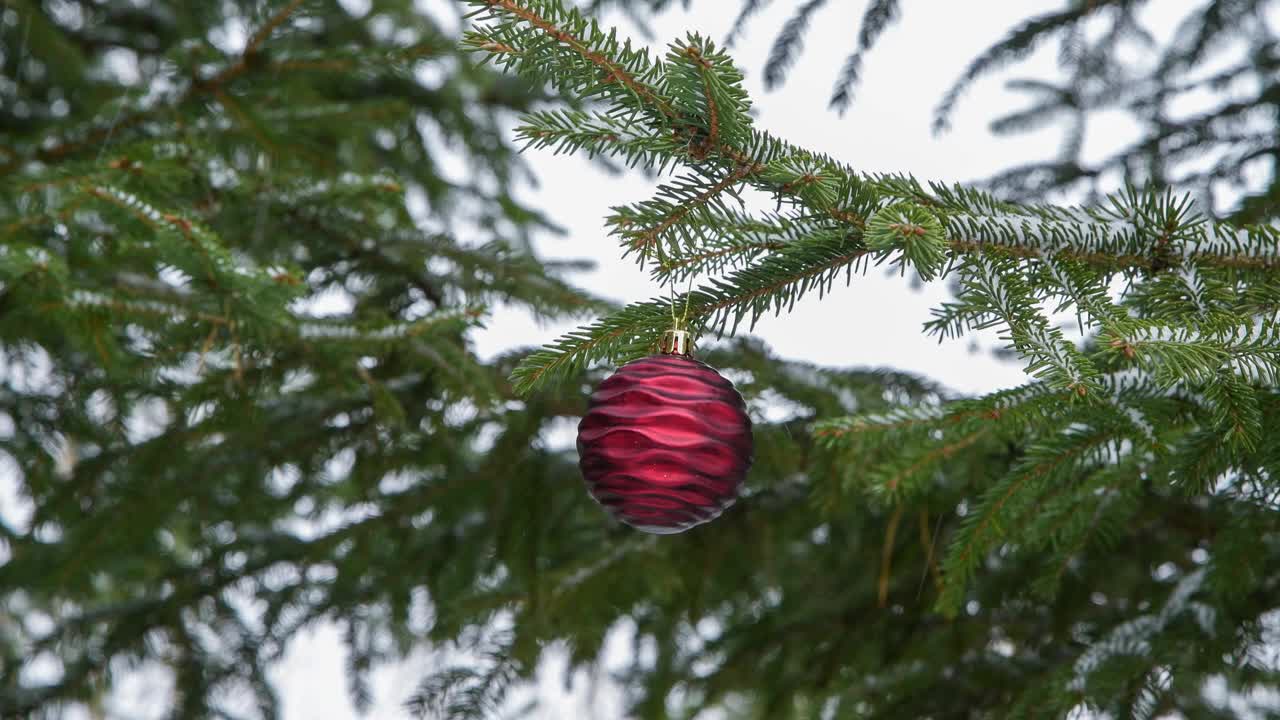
(676, 342)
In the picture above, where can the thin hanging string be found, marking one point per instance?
(678, 323)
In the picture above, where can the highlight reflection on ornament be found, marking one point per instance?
(666, 441)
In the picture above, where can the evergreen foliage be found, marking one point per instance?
(237, 393)
(239, 396)
(1206, 99)
(1083, 523)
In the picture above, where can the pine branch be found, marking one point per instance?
(1135, 232)
(1013, 412)
(1018, 43)
(773, 284)
(1093, 512)
(99, 133)
(788, 43)
(1195, 352)
(1118, 238)
(875, 19)
(982, 525)
(680, 228)
(615, 72)
(732, 254)
(906, 477)
(221, 313)
(598, 134)
(996, 290)
(911, 232)
(706, 90)
(908, 418)
(780, 279)
(629, 332)
(196, 251)
(749, 9)
(686, 208)
(554, 54)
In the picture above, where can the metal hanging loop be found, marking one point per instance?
(677, 340)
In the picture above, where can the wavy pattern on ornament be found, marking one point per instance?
(665, 444)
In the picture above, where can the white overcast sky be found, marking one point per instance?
(875, 322)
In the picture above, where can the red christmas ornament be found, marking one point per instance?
(666, 441)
